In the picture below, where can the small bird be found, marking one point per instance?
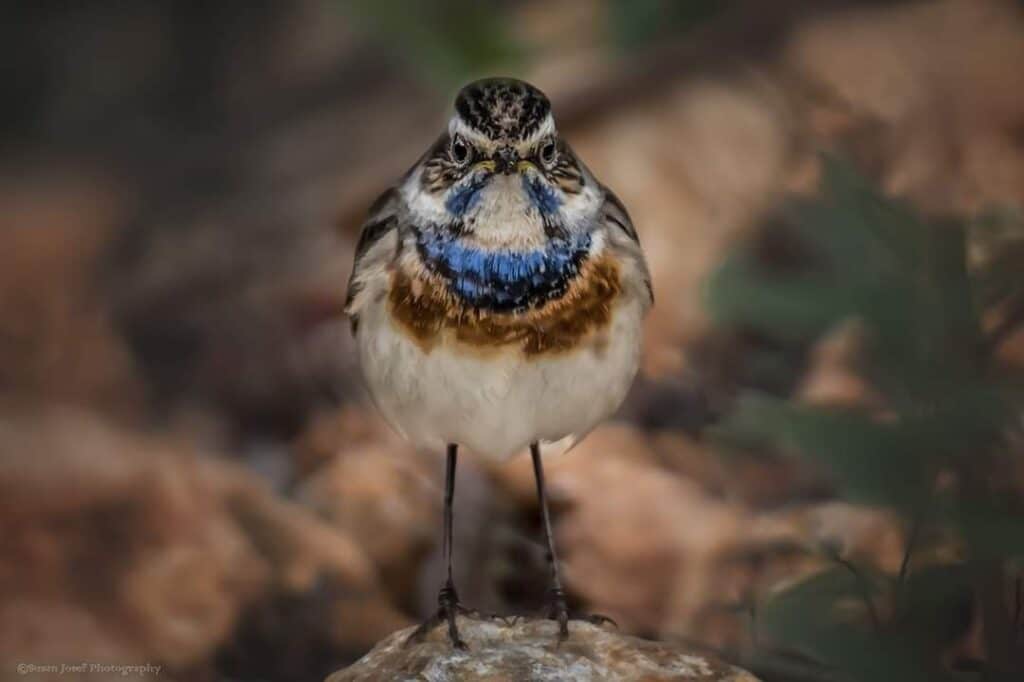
(497, 297)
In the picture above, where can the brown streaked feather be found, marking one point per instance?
(439, 171)
(617, 217)
(424, 308)
(615, 211)
(381, 219)
(566, 172)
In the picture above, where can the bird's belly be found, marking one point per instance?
(497, 402)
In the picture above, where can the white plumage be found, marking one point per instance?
(497, 404)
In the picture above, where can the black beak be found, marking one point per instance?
(505, 160)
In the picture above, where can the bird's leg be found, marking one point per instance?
(558, 608)
(448, 606)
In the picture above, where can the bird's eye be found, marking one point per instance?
(548, 153)
(459, 151)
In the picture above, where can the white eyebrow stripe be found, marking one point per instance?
(546, 127)
(456, 126)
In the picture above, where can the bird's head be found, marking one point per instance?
(501, 170)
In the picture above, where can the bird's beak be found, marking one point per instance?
(523, 166)
(506, 161)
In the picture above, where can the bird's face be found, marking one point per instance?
(501, 171)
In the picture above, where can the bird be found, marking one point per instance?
(496, 299)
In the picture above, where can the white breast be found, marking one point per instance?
(497, 404)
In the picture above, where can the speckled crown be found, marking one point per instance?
(502, 108)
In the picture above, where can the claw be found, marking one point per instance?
(558, 611)
(448, 608)
(597, 619)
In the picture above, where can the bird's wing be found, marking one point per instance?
(616, 217)
(374, 251)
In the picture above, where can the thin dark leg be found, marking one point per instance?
(559, 610)
(449, 498)
(447, 599)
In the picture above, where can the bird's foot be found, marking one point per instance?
(558, 611)
(448, 608)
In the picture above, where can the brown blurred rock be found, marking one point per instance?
(378, 490)
(123, 527)
(619, 515)
(833, 378)
(624, 521)
(757, 480)
(609, 440)
(330, 432)
(34, 629)
(165, 547)
(358, 475)
(1011, 350)
(865, 535)
(694, 166)
(929, 92)
(57, 342)
(654, 534)
(526, 651)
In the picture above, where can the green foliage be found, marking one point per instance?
(635, 22)
(857, 254)
(933, 444)
(450, 41)
(826, 615)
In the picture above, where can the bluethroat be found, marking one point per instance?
(497, 297)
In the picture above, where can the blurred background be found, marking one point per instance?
(819, 474)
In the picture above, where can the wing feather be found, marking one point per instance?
(615, 212)
(617, 217)
(381, 220)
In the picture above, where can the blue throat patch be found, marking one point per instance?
(464, 197)
(503, 281)
(542, 196)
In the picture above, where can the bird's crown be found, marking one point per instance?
(502, 109)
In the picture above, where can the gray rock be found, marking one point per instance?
(527, 651)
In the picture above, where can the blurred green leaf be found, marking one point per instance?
(936, 606)
(872, 462)
(452, 40)
(997, 247)
(993, 526)
(852, 253)
(636, 22)
(825, 617)
(939, 421)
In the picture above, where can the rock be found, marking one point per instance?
(362, 478)
(710, 543)
(385, 495)
(937, 122)
(690, 206)
(141, 548)
(129, 517)
(57, 339)
(527, 650)
(834, 378)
